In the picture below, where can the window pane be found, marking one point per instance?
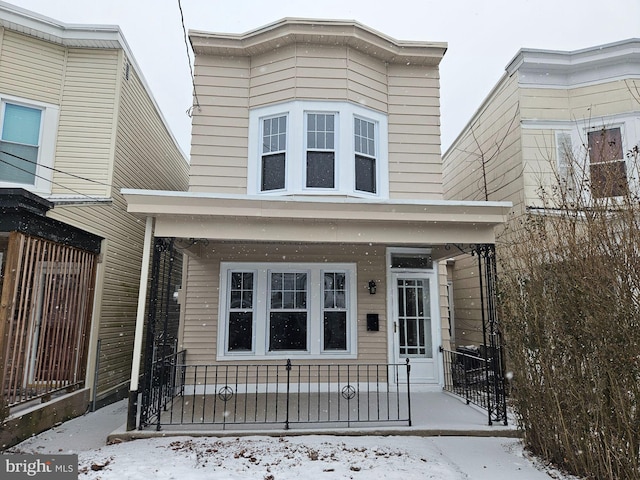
(605, 145)
(364, 137)
(21, 124)
(240, 337)
(320, 169)
(274, 134)
(18, 163)
(365, 174)
(273, 172)
(335, 330)
(608, 179)
(287, 331)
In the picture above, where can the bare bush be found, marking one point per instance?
(570, 301)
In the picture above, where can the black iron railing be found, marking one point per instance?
(474, 377)
(166, 382)
(281, 395)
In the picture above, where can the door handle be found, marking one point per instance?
(394, 327)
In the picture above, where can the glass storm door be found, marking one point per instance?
(414, 323)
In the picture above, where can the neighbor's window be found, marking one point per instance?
(19, 143)
(365, 155)
(274, 147)
(606, 163)
(278, 310)
(28, 132)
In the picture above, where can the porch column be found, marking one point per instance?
(132, 413)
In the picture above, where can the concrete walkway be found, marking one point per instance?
(434, 414)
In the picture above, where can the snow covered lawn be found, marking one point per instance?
(310, 458)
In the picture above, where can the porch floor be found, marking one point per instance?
(433, 414)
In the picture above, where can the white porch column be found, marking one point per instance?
(137, 342)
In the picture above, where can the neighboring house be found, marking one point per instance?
(551, 111)
(77, 123)
(314, 225)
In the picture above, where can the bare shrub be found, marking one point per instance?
(569, 295)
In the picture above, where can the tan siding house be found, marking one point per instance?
(314, 222)
(546, 101)
(98, 130)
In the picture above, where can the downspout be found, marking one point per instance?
(132, 412)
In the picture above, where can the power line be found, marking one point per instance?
(52, 169)
(186, 44)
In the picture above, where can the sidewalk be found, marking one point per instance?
(453, 431)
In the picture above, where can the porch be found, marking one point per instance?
(319, 397)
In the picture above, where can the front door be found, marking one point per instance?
(414, 325)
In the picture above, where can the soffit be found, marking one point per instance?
(184, 214)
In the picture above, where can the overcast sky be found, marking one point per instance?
(483, 36)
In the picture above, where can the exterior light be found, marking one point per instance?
(372, 287)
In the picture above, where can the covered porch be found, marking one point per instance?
(388, 257)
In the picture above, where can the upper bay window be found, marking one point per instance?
(318, 148)
(27, 140)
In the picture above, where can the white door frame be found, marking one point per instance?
(436, 321)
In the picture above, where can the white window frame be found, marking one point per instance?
(295, 181)
(46, 150)
(261, 306)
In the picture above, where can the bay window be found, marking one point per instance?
(315, 147)
(273, 310)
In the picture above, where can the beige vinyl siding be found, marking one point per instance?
(539, 169)
(413, 95)
(491, 137)
(31, 68)
(87, 116)
(220, 126)
(466, 301)
(367, 81)
(577, 104)
(443, 302)
(199, 330)
(144, 156)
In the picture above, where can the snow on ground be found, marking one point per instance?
(308, 457)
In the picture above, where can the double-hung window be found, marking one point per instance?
(314, 147)
(27, 141)
(288, 314)
(365, 155)
(321, 153)
(274, 153)
(273, 310)
(19, 143)
(608, 170)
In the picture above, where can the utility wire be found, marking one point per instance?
(52, 169)
(41, 177)
(186, 44)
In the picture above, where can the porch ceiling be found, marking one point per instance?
(317, 219)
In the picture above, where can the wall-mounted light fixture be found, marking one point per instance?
(372, 287)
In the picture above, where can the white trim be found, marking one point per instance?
(344, 145)
(260, 342)
(436, 319)
(47, 143)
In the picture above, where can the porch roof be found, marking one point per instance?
(317, 219)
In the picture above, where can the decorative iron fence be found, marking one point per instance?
(278, 395)
(475, 378)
